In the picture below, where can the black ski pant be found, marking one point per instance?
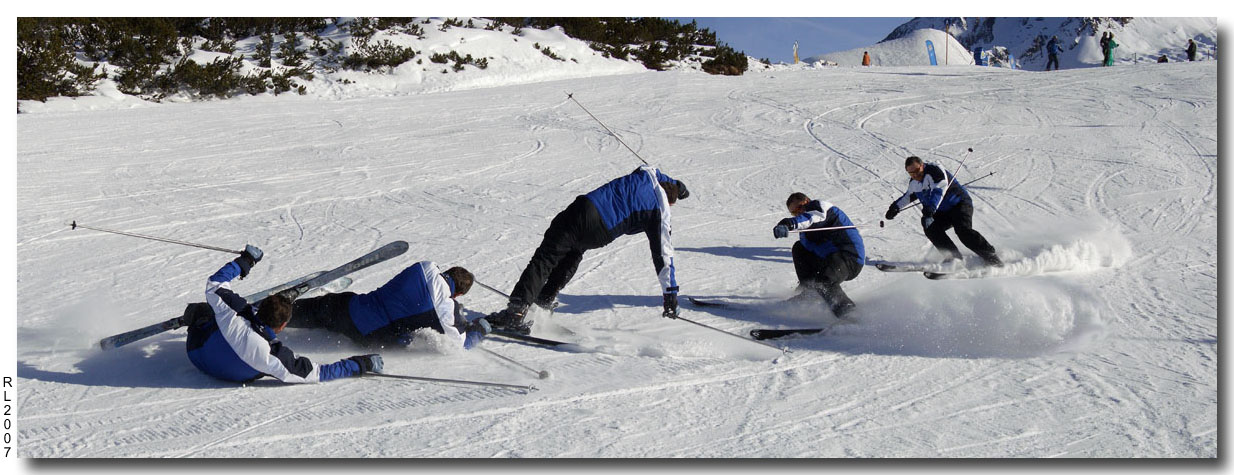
(826, 273)
(1053, 60)
(573, 231)
(329, 311)
(959, 217)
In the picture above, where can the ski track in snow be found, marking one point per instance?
(1099, 339)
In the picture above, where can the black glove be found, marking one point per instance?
(247, 259)
(780, 231)
(892, 211)
(253, 252)
(368, 363)
(670, 306)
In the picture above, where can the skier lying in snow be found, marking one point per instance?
(823, 259)
(944, 204)
(635, 203)
(238, 341)
(421, 296)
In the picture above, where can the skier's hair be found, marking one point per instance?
(274, 311)
(462, 279)
(670, 189)
(911, 160)
(796, 198)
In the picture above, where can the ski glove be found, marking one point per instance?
(927, 221)
(780, 231)
(479, 325)
(253, 252)
(247, 259)
(892, 211)
(368, 363)
(670, 306)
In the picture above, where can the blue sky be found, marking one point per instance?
(773, 38)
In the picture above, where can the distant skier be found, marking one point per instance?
(823, 259)
(1191, 50)
(1109, 51)
(636, 203)
(238, 342)
(421, 296)
(1105, 47)
(1053, 49)
(944, 204)
(865, 58)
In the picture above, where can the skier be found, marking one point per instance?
(238, 343)
(1109, 49)
(1053, 49)
(635, 203)
(421, 296)
(865, 58)
(823, 259)
(944, 204)
(1190, 50)
(1105, 47)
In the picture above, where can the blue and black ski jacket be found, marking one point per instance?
(234, 346)
(418, 297)
(821, 214)
(634, 204)
(936, 190)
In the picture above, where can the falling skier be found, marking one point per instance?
(944, 204)
(823, 259)
(635, 203)
(239, 342)
(421, 296)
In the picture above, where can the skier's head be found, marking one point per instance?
(275, 311)
(914, 167)
(461, 279)
(674, 190)
(796, 203)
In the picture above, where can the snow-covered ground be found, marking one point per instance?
(1102, 341)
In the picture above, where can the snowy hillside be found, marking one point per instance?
(1099, 338)
(510, 56)
(909, 50)
(1141, 39)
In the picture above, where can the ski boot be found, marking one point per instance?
(992, 260)
(512, 319)
(842, 309)
(548, 303)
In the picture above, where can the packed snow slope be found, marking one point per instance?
(1099, 338)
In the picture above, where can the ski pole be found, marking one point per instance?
(834, 228)
(953, 178)
(543, 374)
(570, 96)
(451, 381)
(782, 350)
(75, 225)
(486, 286)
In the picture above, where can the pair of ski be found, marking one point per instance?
(762, 333)
(930, 271)
(332, 280)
